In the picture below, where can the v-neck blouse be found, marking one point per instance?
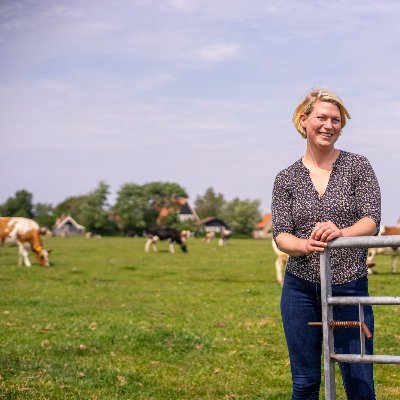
(352, 193)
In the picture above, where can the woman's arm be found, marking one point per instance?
(322, 233)
(296, 247)
(327, 231)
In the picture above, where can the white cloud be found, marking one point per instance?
(217, 52)
(154, 81)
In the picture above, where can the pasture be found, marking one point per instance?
(108, 321)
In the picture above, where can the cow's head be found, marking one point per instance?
(181, 241)
(42, 256)
(183, 247)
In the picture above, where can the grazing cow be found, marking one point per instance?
(389, 230)
(92, 235)
(163, 233)
(225, 235)
(25, 233)
(371, 261)
(209, 236)
(280, 263)
(185, 235)
(394, 252)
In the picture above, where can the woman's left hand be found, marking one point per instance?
(326, 231)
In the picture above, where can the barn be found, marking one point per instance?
(213, 224)
(67, 226)
(182, 207)
(187, 212)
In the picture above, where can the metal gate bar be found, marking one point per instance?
(327, 302)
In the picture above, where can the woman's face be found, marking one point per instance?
(323, 125)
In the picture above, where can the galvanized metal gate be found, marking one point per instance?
(328, 301)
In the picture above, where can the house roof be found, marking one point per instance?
(188, 209)
(185, 208)
(213, 221)
(63, 220)
(266, 220)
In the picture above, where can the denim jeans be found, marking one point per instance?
(300, 304)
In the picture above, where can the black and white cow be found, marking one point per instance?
(225, 236)
(163, 233)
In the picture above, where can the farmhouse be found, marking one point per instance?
(182, 207)
(187, 213)
(212, 224)
(66, 226)
(263, 229)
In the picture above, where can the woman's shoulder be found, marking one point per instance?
(354, 159)
(291, 169)
(349, 156)
(287, 178)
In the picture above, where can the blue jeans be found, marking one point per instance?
(300, 304)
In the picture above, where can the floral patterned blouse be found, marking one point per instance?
(352, 193)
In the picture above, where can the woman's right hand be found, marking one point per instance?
(297, 247)
(312, 245)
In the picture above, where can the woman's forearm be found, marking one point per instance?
(323, 233)
(364, 227)
(297, 247)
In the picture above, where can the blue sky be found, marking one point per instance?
(197, 92)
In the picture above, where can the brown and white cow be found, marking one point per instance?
(25, 233)
(280, 263)
(394, 252)
(208, 237)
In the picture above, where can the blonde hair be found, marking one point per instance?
(307, 104)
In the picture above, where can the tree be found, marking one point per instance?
(138, 206)
(210, 204)
(44, 214)
(94, 211)
(242, 215)
(18, 206)
(159, 195)
(130, 209)
(71, 206)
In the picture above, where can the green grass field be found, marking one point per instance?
(108, 321)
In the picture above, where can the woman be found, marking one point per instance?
(328, 193)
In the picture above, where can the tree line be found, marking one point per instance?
(136, 208)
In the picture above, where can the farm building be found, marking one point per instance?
(212, 224)
(184, 210)
(67, 226)
(187, 213)
(263, 229)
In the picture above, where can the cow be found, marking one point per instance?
(280, 262)
(92, 235)
(185, 235)
(225, 235)
(208, 237)
(389, 230)
(394, 252)
(163, 233)
(25, 233)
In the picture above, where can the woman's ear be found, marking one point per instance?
(303, 120)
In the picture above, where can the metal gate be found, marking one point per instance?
(328, 301)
